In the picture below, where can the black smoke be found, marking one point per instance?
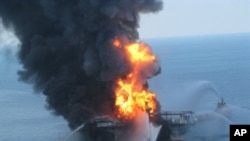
(66, 49)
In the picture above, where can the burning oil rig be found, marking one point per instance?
(174, 125)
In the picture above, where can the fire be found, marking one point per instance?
(131, 94)
(116, 42)
(139, 53)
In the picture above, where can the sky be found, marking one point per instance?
(197, 17)
(7, 37)
(184, 18)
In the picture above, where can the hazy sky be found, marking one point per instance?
(7, 38)
(197, 17)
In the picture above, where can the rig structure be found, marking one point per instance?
(103, 128)
(174, 125)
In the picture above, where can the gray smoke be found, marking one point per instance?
(66, 49)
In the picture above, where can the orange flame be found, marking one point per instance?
(139, 53)
(131, 96)
(116, 42)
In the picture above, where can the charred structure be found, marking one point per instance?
(67, 50)
(174, 125)
(102, 129)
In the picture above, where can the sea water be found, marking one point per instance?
(197, 72)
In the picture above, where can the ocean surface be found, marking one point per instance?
(224, 60)
(196, 73)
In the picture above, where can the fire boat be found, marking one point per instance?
(221, 104)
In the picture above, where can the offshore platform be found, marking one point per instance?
(174, 125)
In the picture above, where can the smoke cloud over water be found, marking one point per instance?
(67, 53)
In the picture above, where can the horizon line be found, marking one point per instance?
(194, 35)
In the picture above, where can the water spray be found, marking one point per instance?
(73, 132)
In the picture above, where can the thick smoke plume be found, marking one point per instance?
(66, 49)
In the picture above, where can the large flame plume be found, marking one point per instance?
(131, 94)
